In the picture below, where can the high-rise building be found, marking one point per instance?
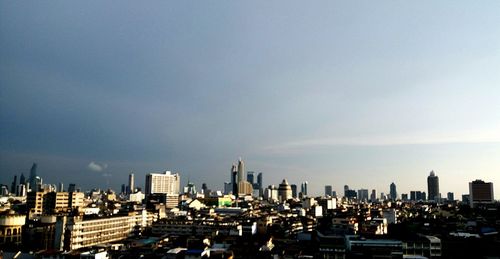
(480, 193)
(363, 195)
(294, 190)
(61, 187)
(393, 193)
(284, 191)
(234, 180)
(250, 177)
(21, 190)
(433, 187)
(450, 196)
(131, 183)
(241, 170)
(244, 188)
(22, 180)
(234, 171)
(163, 183)
(373, 196)
(465, 198)
(351, 194)
(32, 180)
(228, 187)
(259, 180)
(328, 190)
(13, 185)
(71, 187)
(303, 188)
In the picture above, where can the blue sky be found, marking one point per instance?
(358, 92)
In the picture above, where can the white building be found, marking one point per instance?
(136, 197)
(164, 183)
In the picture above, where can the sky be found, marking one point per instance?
(363, 93)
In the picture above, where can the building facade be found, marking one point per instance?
(77, 232)
(165, 183)
(480, 193)
(433, 187)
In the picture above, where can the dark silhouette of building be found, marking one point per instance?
(13, 185)
(433, 187)
(22, 180)
(294, 190)
(71, 187)
(393, 193)
(259, 180)
(250, 177)
(32, 180)
(480, 193)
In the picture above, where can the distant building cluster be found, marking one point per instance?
(245, 220)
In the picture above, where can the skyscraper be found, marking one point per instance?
(303, 188)
(250, 177)
(131, 183)
(204, 188)
(373, 196)
(13, 185)
(72, 187)
(234, 184)
(393, 193)
(163, 183)
(433, 187)
(363, 195)
(328, 190)
(294, 190)
(22, 180)
(450, 196)
(480, 192)
(259, 180)
(32, 179)
(241, 171)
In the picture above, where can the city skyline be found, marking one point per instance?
(334, 93)
(131, 182)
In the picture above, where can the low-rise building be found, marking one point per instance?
(11, 228)
(77, 232)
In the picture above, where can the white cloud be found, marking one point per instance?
(96, 167)
(490, 136)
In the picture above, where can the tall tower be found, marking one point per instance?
(131, 183)
(13, 185)
(250, 177)
(393, 193)
(22, 180)
(233, 169)
(234, 179)
(259, 180)
(32, 180)
(328, 190)
(433, 187)
(373, 196)
(294, 190)
(241, 171)
(303, 188)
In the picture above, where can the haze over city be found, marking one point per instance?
(357, 93)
